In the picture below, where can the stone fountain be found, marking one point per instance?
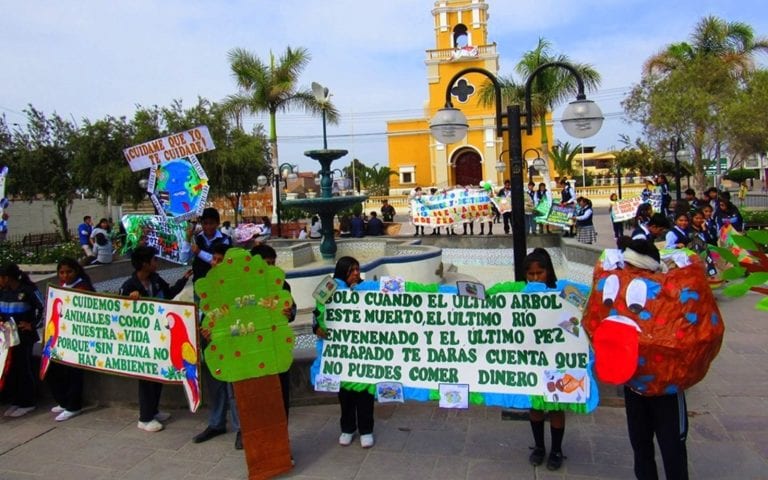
(326, 205)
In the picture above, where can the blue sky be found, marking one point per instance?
(90, 58)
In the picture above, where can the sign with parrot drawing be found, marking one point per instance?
(244, 306)
(148, 339)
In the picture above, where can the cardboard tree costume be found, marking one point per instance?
(243, 301)
(655, 331)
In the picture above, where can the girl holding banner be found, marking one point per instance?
(65, 382)
(356, 405)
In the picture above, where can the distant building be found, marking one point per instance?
(461, 41)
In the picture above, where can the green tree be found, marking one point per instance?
(550, 88)
(686, 86)
(99, 167)
(40, 155)
(562, 157)
(746, 118)
(376, 180)
(272, 87)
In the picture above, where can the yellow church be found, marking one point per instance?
(461, 41)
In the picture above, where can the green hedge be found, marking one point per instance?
(17, 253)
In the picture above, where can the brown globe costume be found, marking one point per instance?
(658, 331)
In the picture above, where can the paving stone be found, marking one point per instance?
(395, 466)
(450, 468)
(725, 460)
(436, 442)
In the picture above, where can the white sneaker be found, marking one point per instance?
(57, 409)
(162, 416)
(150, 426)
(366, 441)
(10, 410)
(66, 415)
(345, 439)
(20, 411)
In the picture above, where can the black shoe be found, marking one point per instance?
(239, 441)
(555, 460)
(537, 456)
(207, 434)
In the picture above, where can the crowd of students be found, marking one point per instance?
(692, 222)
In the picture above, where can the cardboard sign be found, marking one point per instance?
(147, 338)
(558, 215)
(179, 188)
(624, 210)
(178, 145)
(503, 344)
(245, 307)
(459, 205)
(167, 235)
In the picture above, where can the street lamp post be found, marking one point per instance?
(322, 95)
(676, 144)
(531, 167)
(284, 172)
(581, 119)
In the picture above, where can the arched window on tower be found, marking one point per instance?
(460, 36)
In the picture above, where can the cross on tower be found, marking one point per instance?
(462, 90)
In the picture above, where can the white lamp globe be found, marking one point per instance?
(449, 125)
(582, 118)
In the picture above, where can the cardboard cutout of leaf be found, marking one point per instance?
(243, 301)
(760, 237)
(756, 279)
(744, 242)
(736, 290)
(734, 273)
(762, 305)
(727, 254)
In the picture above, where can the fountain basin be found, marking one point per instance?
(305, 266)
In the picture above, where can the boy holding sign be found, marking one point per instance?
(145, 282)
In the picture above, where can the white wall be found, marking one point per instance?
(38, 216)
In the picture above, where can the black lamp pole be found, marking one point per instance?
(676, 144)
(515, 141)
(277, 204)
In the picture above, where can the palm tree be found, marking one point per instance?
(715, 43)
(272, 87)
(551, 86)
(376, 180)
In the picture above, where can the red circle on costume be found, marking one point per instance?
(221, 357)
(261, 272)
(247, 258)
(661, 321)
(246, 268)
(260, 338)
(274, 327)
(237, 353)
(229, 261)
(203, 295)
(658, 358)
(679, 334)
(221, 281)
(211, 324)
(261, 365)
(218, 371)
(289, 340)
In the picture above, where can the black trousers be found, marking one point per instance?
(149, 399)
(66, 384)
(507, 216)
(356, 411)
(666, 417)
(21, 381)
